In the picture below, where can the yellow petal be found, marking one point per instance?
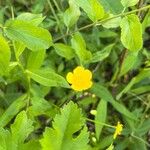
(69, 77)
(88, 74)
(78, 70)
(88, 85)
(76, 88)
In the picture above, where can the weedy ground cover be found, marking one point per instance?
(74, 75)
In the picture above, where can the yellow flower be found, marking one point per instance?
(118, 130)
(80, 79)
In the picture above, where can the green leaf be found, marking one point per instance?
(39, 106)
(104, 94)
(146, 21)
(65, 125)
(48, 78)
(122, 144)
(12, 110)
(79, 45)
(64, 50)
(34, 19)
(35, 59)
(128, 3)
(143, 127)
(105, 142)
(4, 56)
(6, 140)
(31, 145)
(2, 15)
(145, 73)
(128, 62)
(136, 144)
(19, 47)
(21, 128)
(101, 55)
(111, 147)
(112, 23)
(112, 6)
(100, 116)
(107, 34)
(131, 33)
(72, 14)
(93, 8)
(3, 135)
(35, 38)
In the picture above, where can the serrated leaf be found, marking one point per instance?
(131, 33)
(71, 15)
(48, 78)
(79, 45)
(35, 59)
(128, 3)
(101, 55)
(21, 128)
(65, 125)
(100, 117)
(34, 19)
(3, 137)
(93, 9)
(6, 140)
(35, 38)
(64, 50)
(31, 145)
(4, 56)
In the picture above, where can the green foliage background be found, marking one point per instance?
(41, 41)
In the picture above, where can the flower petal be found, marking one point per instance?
(69, 77)
(88, 74)
(88, 85)
(78, 70)
(76, 88)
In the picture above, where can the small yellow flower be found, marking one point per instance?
(118, 130)
(80, 79)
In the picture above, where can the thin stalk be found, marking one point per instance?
(57, 20)
(100, 123)
(12, 12)
(57, 6)
(104, 20)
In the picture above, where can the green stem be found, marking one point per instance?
(104, 20)
(100, 123)
(12, 13)
(57, 6)
(57, 20)
(25, 75)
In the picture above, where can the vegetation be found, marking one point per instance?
(74, 75)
